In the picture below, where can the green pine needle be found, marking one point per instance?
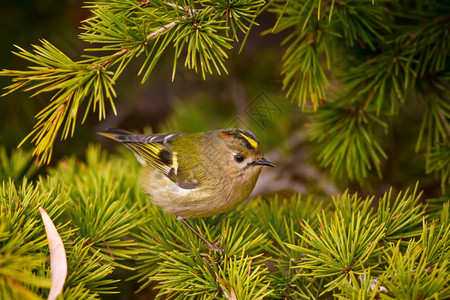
(125, 29)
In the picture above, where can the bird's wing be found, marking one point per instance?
(152, 149)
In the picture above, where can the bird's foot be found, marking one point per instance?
(215, 246)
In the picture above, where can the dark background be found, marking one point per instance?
(250, 96)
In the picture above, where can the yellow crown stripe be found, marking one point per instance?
(252, 141)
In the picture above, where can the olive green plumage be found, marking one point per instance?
(198, 174)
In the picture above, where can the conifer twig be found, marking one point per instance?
(128, 29)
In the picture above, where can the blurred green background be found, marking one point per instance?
(250, 97)
(199, 104)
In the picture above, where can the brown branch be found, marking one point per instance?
(369, 97)
(162, 29)
(113, 57)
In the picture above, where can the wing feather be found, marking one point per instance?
(147, 148)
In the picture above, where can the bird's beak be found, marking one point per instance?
(263, 162)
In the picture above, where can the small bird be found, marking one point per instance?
(197, 174)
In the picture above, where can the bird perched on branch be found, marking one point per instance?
(198, 174)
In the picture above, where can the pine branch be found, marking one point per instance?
(23, 245)
(88, 271)
(359, 287)
(17, 165)
(304, 75)
(350, 148)
(401, 216)
(436, 128)
(439, 210)
(408, 274)
(389, 56)
(438, 161)
(291, 248)
(348, 205)
(339, 248)
(282, 219)
(128, 29)
(101, 192)
(317, 27)
(72, 83)
(435, 243)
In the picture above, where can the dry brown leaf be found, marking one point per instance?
(232, 295)
(58, 259)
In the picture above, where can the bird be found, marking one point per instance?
(195, 175)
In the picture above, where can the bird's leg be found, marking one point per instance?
(212, 246)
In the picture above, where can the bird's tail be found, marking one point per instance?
(115, 134)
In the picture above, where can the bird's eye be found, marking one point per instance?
(238, 158)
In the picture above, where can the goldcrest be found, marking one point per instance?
(197, 174)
